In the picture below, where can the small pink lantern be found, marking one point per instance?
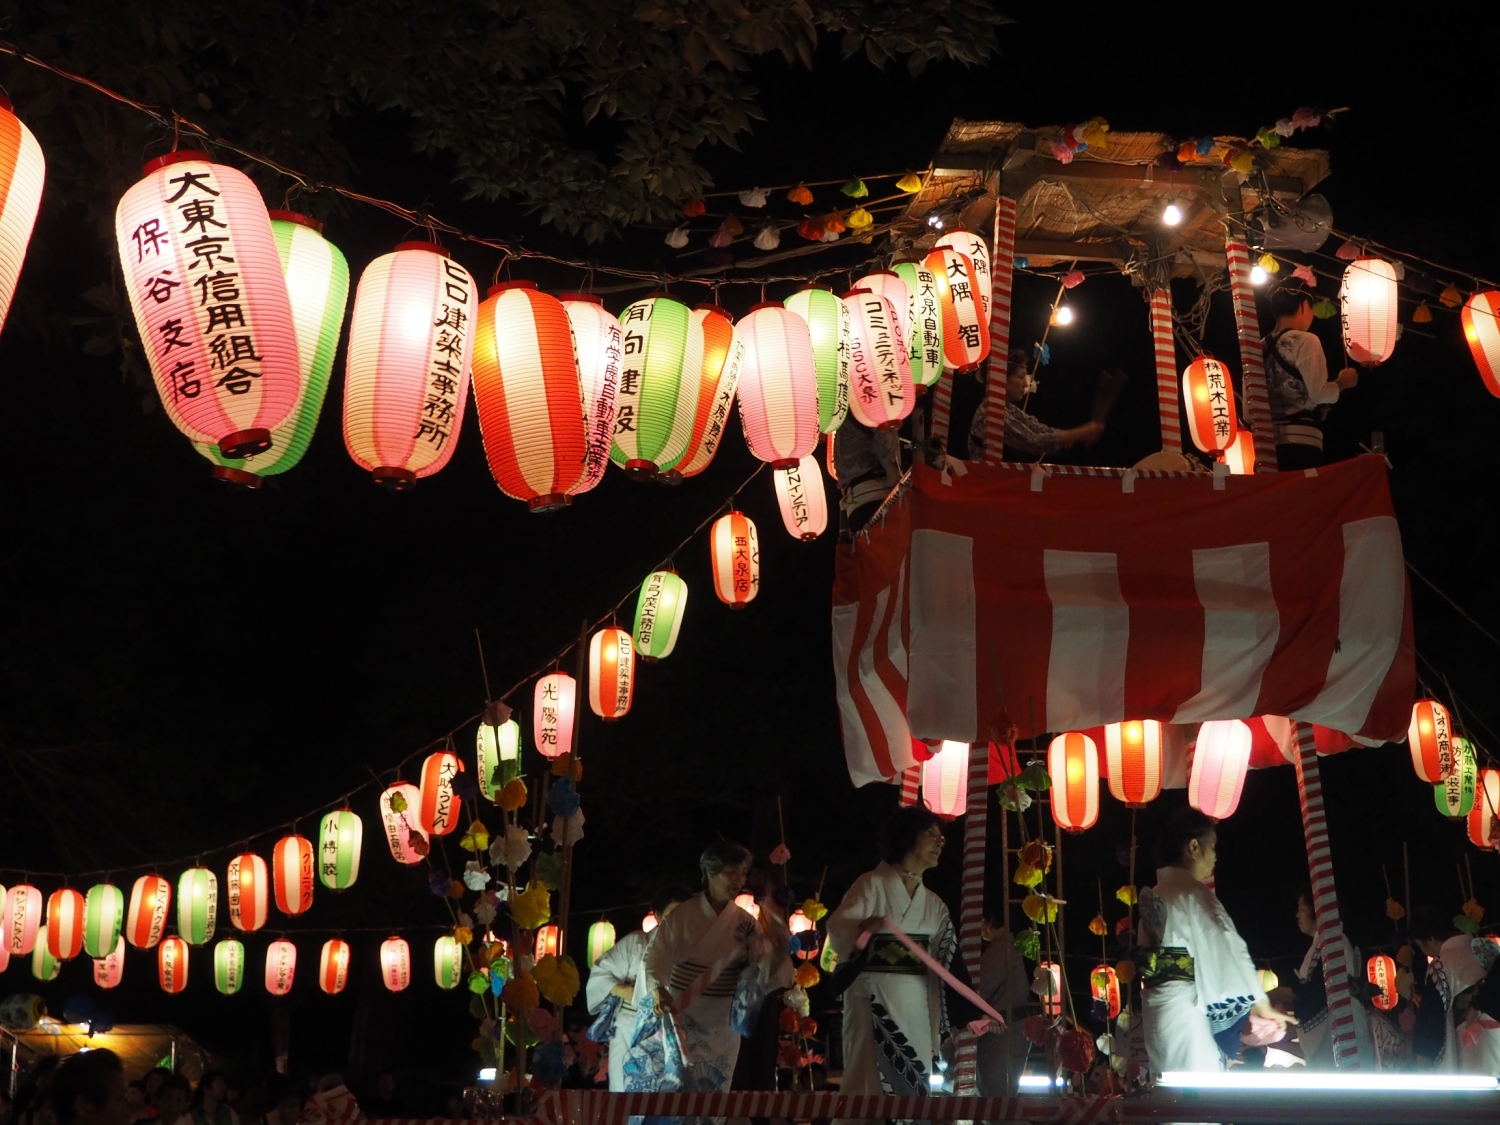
(1220, 760)
(281, 967)
(552, 723)
(1367, 300)
(395, 963)
(649, 922)
(945, 780)
(880, 387)
(778, 386)
(893, 289)
(438, 813)
(110, 969)
(23, 918)
(801, 498)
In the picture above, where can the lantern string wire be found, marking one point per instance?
(1460, 610)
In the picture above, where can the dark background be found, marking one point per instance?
(181, 666)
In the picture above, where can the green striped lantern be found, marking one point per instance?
(317, 281)
(44, 966)
(827, 320)
(1455, 796)
(926, 322)
(660, 376)
(601, 939)
(447, 962)
(340, 837)
(197, 905)
(103, 914)
(499, 756)
(658, 614)
(229, 966)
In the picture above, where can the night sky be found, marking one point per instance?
(183, 667)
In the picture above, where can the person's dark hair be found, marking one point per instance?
(1287, 299)
(898, 836)
(1425, 923)
(719, 855)
(208, 1079)
(665, 896)
(84, 1076)
(1305, 894)
(1186, 824)
(176, 1082)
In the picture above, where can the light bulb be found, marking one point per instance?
(1258, 275)
(1062, 315)
(1172, 215)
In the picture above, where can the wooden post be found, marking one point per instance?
(1252, 362)
(1167, 395)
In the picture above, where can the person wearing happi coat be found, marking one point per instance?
(1456, 972)
(1310, 996)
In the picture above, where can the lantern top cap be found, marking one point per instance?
(504, 285)
(178, 157)
(5, 104)
(768, 305)
(431, 247)
(660, 295)
(299, 218)
(584, 298)
(858, 289)
(811, 288)
(721, 311)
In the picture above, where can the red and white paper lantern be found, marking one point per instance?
(248, 887)
(966, 330)
(22, 171)
(172, 964)
(1220, 760)
(1429, 738)
(23, 918)
(1132, 761)
(1482, 817)
(554, 710)
(945, 780)
(146, 917)
(1480, 318)
(598, 342)
(1209, 394)
(65, 918)
(611, 672)
(719, 381)
(109, 970)
(438, 810)
(734, 550)
(281, 967)
(880, 387)
(1380, 970)
(333, 966)
(1073, 763)
(973, 247)
(395, 963)
(293, 874)
(801, 498)
(778, 385)
(403, 830)
(1367, 303)
(1239, 455)
(890, 286)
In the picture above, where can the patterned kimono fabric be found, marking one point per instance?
(1458, 970)
(1184, 1008)
(1312, 1012)
(620, 966)
(894, 1016)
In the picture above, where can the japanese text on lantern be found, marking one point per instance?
(637, 323)
(887, 343)
(796, 492)
(601, 426)
(963, 293)
(744, 577)
(646, 619)
(548, 702)
(447, 359)
(1218, 398)
(929, 316)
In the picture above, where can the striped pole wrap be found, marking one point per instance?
(971, 908)
(1167, 394)
(942, 407)
(1252, 363)
(911, 784)
(1348, 1051)
(1002, 273)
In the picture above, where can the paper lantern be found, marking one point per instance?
(660, 379)
(1480, 318)
(22, 170)
(1046, 985)
(719, 380)
(292, 874)
(403, 833)
(247, 887)
(1268, 979)
(529, 396)
(966, 330)
(1429, 738)
(599, 342)
(1482, 833)
(611, 672)
(103, 915)
(1219, 763)
(45, 965)
(945, 780)
(210, 301)
(498, 752)
(4, 932)
(747, 903)
(601, 940)
(734, 557)
(890, 286)
(172, 962)
(658, 614)
(880, 387)
(146, 920)
(340, 839)
(1104, 985)
(440, 804)
(65, 915)
(827, 320)
(1455, 795)
(1073, 763)
(546, 941)
(1132, 761)
(395, 963)
(447, 962)
(317, 284)
(555, 699)
(798, 922)
(974, 248)
(23, 917)
(778, 385)
(333, 966)
(1380, 971)
(109, 970)
(229, 966)
(407, 372)
(1367, 304)
(1208, 393)
(197, 905)
(281, 967)
(800, 496)
(926, 343)
(1239, 454)
(649, 922)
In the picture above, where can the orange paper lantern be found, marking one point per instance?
(172, 964)
(1132, 761)
(438, 814)
(611, 672)
(1380, 971)
(546, 941)
(333, 966)
(65, 916)
(1208, 393)
(1239, 455)
(22, 171)
(292, 874)
(734, 550)
(719, 380)
(1480, 318)
(146, 918)
(1429, 738)
(1073, 763)
(248, 887)
(1104, 985)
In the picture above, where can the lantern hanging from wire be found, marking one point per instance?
(292, 877)
(974, 248)
(1239, 454)
(660, 379)
(945, 780)
(109, 970)
(1368, 306)
(598, 342)
(317, 284)
(719, 380)
(601, 940)
(340, 839)
(1046, 985)
(333, 966)
(1429, 738)
(734, 554)
(1455, 794)
(880, 387)
(103, 915)
(1132, 761)
(447, 962)
(1073, 763)
(555, 702)
(547, 938)
(926, 343)
(65, 917)
(1220, 760)
(649, 922)
(172, 963)
(281, 967)
(1480, 318)
(827, 320)
(498, 753)
(210, 301)
(1380, 970)
(1209, 395)
(440, 804)
(409, 361)
(146, 919)
(395, 963)
(1104, 987)
(658, 614)
(890, 285)
(229, 966)
(247, 888)
(23, 918)
(966, 331)
(800, 496)
(611, 672)
(45, 965)
(197, 905)
(778, 385)
(400, 805)
(747, 903)
(22, 172)
(1482, 817)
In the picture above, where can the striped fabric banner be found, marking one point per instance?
(1257, 410)
(1167, 394)
(971, 909)
(1002, 274)
(942, 408)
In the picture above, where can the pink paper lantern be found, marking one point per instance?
(945, 780)
(281, 967)
(109, 970)
(1219, 763)
(880, 387)
(893, 289)
(1368, 305)
(552, 719)
(395, 963)
(23, 918)
(778, 386)
(599, 341)
(802, 499)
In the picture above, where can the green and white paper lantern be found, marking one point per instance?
(197, 905)
(44, 966)
(1455, 797)
(103, 914)
(827, 320)
(658, 614)
(499, 749)
(447, 962)
(926, 322)
(229, 966)
(340, 837)
(601, 939)
(661, 372)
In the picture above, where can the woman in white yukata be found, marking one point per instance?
(894, 1018)
(1198, 978)
(1470, 1041)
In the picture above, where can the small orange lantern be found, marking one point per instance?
(1380, 970)
(547, 940)
(734, 548)
(1073, 763)
(1105, 985)
(1429, 737)
(1209, 396)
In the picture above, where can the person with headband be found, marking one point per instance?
(1297, 381)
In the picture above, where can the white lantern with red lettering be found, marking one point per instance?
(23, 917)
(973, 247)
(1482, 817)
(109, 970)
(395, 963)
(945, 780)
(1380, 970)
(172, 964)
(65, 917)
(403, 832)
(1073, 763)
(598, 340)
(292, 874)
(1429, 738)
(1480, 318)
(1132, 761)
(247, 885)
(611, 672)
(438, 813)
(146, 918)
(1239, 454)
(333, 966)
(409, 362)
(778, 385)
(734, 550)
(966, 330)
(281, 967)
(22, 170)
(880, 387)
(719, 379)
(1367, 304)
(1220, 760)
(801, 498)
(552, 723)
(1208, 393)
(926, 343)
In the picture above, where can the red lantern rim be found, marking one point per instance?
(586, 298)
(5, 103)
(552, 502)
(239, 477)
(859, 289)
(397, 480)
(178, 157)
(504, 285)
(430, 247)
(245, 443)
(299, 218)
(640, 468)
(725, 313)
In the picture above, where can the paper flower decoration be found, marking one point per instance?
(1125, 971)
(1394, 910)
(1473, 910)
(788, 1021)
(807, 975)
(693, 208)
(1013, 797)
(800, 195)
(486, 908)
(512, 849)
(755, 197)
(859, 219)
(781, 854)
(814, 910)
(543, 1023)
(1040, 908)
(1305, 275)
(677, 238)
(476, 878)
(835, 222)
(512, 796)
(811, 229)
(1347, 252)
(855, 188)
(1325, 310)
(557, 979)
(1098, 927)
(476, 839)
(1038, 855)
(520, 995)
(1028, 944)
(1073, 279)
(796, 1000)
(1128, 895)
(567, 829)
(1076, 1051)
(532, 907)
(1450, 296)
(1026, 875)
(768, 237)
(1421, 314)
(1269, 263)
(463, 935)
(909, 183)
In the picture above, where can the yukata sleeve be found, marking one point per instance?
(1228, 985)
(611, 969)
(1027, 437)
(1308, 355)
(657, 961)
(859, 902)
